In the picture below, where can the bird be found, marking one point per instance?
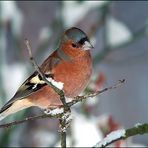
(70, 64)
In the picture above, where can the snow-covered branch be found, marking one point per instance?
(123, 134)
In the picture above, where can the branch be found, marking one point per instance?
(123, 134)
(91, 95)
(54, 114)
(60, 92)
(7, 125)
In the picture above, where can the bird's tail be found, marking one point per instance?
(14, 107)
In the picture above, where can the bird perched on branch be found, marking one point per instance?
(70, 65)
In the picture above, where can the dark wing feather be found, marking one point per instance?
(34, 82)
(28, 87)
(24, 90)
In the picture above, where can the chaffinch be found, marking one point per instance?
(70, 64)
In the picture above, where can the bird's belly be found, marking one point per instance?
(75, 77)
(75, 84)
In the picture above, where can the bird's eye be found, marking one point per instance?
(74, 45)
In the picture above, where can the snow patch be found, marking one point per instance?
(85, 131)
(68, 99)
(54, 111)
(59, 85)
(117, 32)
(111, 137)
(138, 124)
(45, 33)
(42, 138)
(74, 11)
(13, 81)
(10, 11)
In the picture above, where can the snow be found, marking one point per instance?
(44, 138)
(74, 11)
(117, 32)
(111, 137)
(13, 76)
(54, 111)
(85, 131)
(138, 124)
(10, 11)
(45, 33)
(67, 116)
(92, 101)
(59, 85)
(68, 99)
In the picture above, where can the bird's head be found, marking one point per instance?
(75, 42)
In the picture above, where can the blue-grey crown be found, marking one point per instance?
(76, 34)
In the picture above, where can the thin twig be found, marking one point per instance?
(58, 91)
(38, 69)
(7, 125)
(63, 132)
(91, 95)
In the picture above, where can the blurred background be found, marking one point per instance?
(119, 33)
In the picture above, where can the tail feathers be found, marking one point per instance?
(15, 107)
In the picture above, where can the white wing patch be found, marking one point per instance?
(34, 87)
